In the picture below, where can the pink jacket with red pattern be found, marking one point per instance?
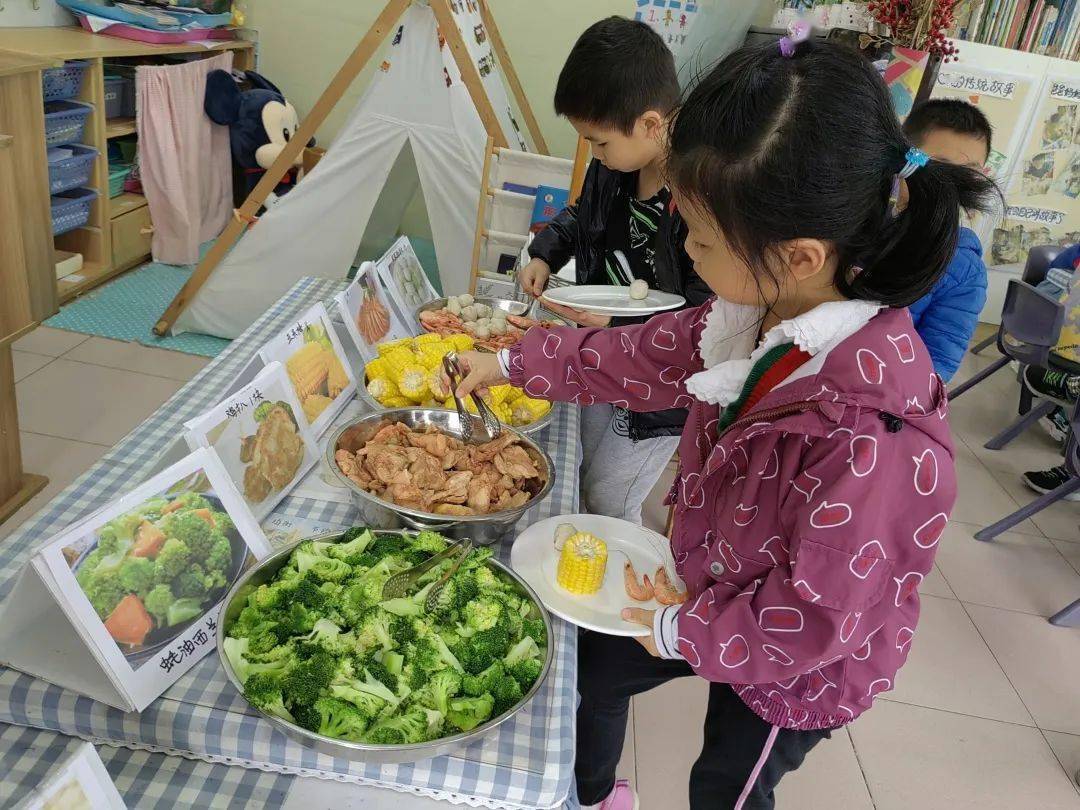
(804, 530)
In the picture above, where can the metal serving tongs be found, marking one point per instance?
(474, 429)
(399, 584)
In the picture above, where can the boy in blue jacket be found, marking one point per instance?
(945, 318)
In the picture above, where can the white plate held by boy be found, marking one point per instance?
(536, 559)
(605, 299)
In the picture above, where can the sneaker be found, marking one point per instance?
(621, 798)
(1043, 481)
(1056, 424)
(1052, 384)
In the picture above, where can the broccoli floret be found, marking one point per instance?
(117, 536)
(466, 713)
(507, 694)
(267, 597)
(360, 596)
(306, 592)
(305, 682)
(386, 544)
(297, 620)
(137, 574)
(446, 603)
(224, 523)
(482, 614)
(374, 632)
(353, 550)
(183, 610)
(483, 649)
(429, 541)
(220, 556)
(467, 588)
(153, 508)
(526, 672)
(158, 601)
(264, 692)
(325, 569)
(442, 686)
(192, 582)
(340, 719)
(535, 629)
(173, 558)
(402, 630)
(380, 673)
(401, 729)
(405, 607)
(190, 500)
(86, 569)
(346, 685)
(525, 650)
(328, 636)
(192, 531)
(393, 662)
(476, 685)
(478, 560)
(105, 590)
(486, 581)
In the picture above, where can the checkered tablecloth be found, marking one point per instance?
(525, 763)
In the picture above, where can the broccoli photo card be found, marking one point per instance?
(316, 365)
(369, 317)
(261, 437)
(405, 280)
(132, 593)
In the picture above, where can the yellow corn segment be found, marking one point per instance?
(435, 382)
(526, 410)
(427, 337)
(397, 360)
(308, 369)
(498, 394)
(385, 348)
(463, 343)
(315, 405)
(376, 369)
(513, 395)
(382, 389)
(337, 380)
(397, 402)
(412, 382)
(582, 564)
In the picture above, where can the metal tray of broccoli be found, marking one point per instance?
(309, 642)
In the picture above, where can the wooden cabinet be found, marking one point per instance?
(115, 239)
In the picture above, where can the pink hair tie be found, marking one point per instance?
(798, 31)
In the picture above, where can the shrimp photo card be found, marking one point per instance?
(261, 437)
(121, 604)
(369, 317)
(316, 365)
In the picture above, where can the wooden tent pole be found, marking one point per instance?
(481, 209)
(581, 165)
(512, 79)
(352, 66)
(469, 73)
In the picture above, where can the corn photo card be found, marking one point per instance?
(261, 436)
(140, 584)
(368, 315)
(316, 365)
(78, 782)
(404, 278)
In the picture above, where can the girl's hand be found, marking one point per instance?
(645, 618)
(534, 277)
(578, 316)
(480, 370)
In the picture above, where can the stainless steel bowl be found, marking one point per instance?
(374, 511)
(505, 304)
(265, 571)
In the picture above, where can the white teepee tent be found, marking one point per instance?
(417, 111)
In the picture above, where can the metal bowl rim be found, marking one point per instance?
(456, 740)
(431, 517)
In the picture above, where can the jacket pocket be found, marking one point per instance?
(725, 564)
(838, 579)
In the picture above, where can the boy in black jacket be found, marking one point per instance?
(617, 89)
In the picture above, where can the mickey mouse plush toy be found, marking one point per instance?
(260, 123)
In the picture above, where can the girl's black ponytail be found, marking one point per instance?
(916, 243)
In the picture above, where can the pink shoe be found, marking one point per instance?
(621, 798)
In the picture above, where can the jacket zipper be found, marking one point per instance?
(769, 414)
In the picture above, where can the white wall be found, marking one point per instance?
(20, 13)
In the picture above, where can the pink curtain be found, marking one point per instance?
(184, 158)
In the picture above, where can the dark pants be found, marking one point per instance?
(612, 669)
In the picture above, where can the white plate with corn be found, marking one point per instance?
(581, 576)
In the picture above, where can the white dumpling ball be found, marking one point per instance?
(498, 327)
(465, 299)
(453, 306)
(639, 289)
(482, 310)
(468, 313)
(483, 332)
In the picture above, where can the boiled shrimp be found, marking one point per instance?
(665, 591)
(639, 591)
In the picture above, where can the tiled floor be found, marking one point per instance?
(986, 714)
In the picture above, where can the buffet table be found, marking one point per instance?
(199, 745)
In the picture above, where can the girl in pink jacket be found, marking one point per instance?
(817, 468)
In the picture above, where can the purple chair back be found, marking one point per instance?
(1038, 262)
(1030, 324)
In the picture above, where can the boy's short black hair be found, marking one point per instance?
(618, 70)
(951, 114)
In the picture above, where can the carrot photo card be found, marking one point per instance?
(316, 365)
(261, 437)
(369, 317)
(121, 604)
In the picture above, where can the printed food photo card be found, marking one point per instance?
(404, 278)
(141, 582)
(316, 365)
(369, 317)
(262, 438)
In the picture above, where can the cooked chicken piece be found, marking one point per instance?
(435, 443)
(427, 473)
(479, 495)
(395, 434)
(516, 463)
(387, 466)
(456, 489)
(453, 509)
(487, 451)
(408, 495)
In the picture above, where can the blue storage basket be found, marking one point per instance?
(72, 171)
(64, 82)
(71, 209)
(64, 121)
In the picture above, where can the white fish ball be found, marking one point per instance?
(639, 289)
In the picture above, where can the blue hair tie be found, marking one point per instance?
(915, 159)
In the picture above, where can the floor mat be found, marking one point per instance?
(128, 307)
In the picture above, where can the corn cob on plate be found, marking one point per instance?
(538, 557)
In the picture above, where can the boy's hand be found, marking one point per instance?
(578, 316)
(480, 370)
(645, 618)
(534, 277)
